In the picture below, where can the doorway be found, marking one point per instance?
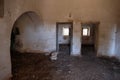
(64, 32)
(89, 39)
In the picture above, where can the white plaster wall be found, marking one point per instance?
(52, 11)
(13, 9)
(103, 11)
(34, 36)
(107, 40)
(76, 42)
(117, 49)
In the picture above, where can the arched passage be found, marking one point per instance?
(25, 36)
(25, 32)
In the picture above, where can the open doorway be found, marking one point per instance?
(89, 39)
(64, 37)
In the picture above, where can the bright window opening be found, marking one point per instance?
(86, 32)
(65, 31)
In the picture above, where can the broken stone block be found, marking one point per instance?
(54, 56)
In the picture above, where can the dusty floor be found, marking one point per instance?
(39, 67)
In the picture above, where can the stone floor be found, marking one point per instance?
(39, 67)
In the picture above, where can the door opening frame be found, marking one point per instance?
(71, 35)
(96, 29)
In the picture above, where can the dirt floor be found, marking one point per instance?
(39, 67)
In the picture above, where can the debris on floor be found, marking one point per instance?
(54, 56)
(39, 67)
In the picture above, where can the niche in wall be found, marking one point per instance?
(1, 8)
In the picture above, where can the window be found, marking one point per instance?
(65, 31)
(86, 31)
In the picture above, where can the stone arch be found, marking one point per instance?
(32, 22)
(29, 18)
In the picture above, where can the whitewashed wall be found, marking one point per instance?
(52, 11)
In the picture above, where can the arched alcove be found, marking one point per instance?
(25, 32)
(25, 35)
